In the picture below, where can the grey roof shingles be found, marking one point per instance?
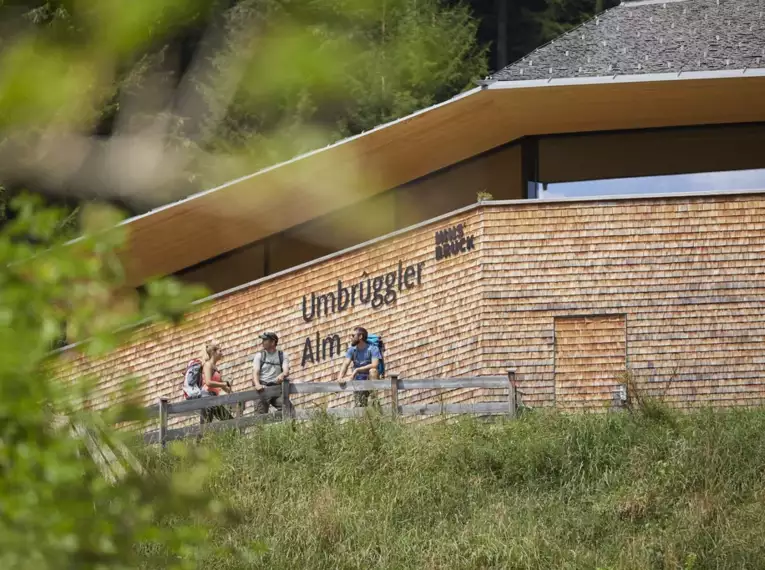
(652, 37)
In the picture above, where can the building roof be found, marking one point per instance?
(653, 36)
(243, 211)
(640, 65)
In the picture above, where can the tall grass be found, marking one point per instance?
(547, 491)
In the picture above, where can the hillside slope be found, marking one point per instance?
(618, 491)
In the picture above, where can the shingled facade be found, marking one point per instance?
(570, 294)
(578, 296)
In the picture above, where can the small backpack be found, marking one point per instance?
(192, 380)
(376, 340)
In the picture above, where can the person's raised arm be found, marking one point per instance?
(256, 373)
(339, 375)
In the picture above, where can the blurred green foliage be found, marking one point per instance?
(279, 75)
(185, 94)
(305, 74)
(72, 494)
(96, 103)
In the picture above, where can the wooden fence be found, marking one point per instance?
(163, 410)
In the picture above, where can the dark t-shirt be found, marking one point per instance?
(363, 357)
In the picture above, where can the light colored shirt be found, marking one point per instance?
(270, 369)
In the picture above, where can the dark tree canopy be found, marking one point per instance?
(236, 85)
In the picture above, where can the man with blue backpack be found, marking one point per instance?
(365, 359)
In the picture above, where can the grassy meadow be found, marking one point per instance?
(644, 490)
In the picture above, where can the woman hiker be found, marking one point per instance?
(212, 383)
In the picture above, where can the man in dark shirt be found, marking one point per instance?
(362, 358)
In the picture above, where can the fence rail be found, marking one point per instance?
(164, 409)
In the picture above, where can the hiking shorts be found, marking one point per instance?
(270, 395)
(221, 413)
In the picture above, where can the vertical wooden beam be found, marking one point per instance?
(530, 167)
(201, 424)
(512, 396)
(240, 414)
(394, 395)
(287, 411)
(162, 421)
(619, 397)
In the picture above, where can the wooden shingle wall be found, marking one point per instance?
(684, 276)
(431, 330)
(590, 360)
(688, 273)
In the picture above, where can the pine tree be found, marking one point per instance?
(528, 23)
(386, 59)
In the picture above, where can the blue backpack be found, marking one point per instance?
(376, 340)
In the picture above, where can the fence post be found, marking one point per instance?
(286, 404)
(162, 421)
(619, 397)
(240, 415)
(394, 395)
(512, 396)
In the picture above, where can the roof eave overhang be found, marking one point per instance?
(251, 208)
(622, 79)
